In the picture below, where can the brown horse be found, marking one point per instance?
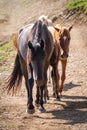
(35, 51)
(62, 39)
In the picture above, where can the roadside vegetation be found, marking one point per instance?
(78, 5)
(7, 55)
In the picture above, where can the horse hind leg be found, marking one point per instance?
(46, 95)
(49, 74)
(55, 79)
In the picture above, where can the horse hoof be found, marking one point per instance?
(42, 109)
(30, 111)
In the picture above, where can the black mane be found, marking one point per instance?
(36, 32)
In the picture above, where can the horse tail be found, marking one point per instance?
(15, 79)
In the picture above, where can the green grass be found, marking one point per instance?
(6, 52)
(7, 57)
(80, 5)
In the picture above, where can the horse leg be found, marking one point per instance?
(55, 79)
(46, 95)
(63, 76)
(28, 83)
(45, 91)
(41, 108)
(30, 106)
(37, 97)
(49, 74)
(53, 82)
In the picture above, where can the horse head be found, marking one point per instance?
(37, 51)
(37, 60)
(65, 42)
(62, 36)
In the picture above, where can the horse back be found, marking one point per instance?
(49, 42)
(23, 37)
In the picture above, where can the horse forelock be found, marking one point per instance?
(66, 32)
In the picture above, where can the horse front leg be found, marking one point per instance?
(63, 76)
(41, 107)
(30, 106)
(37, 96)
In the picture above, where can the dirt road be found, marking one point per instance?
(70, 113)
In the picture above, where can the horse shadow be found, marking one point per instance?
(74, 111)
(70, 86)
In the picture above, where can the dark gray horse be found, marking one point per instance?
(36, 50)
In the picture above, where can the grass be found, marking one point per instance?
(80, 5)
(6, 53)
(7, 56)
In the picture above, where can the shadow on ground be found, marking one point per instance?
(70, 86)
(73, 112)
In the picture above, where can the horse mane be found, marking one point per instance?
(45, 20)
(36, 31)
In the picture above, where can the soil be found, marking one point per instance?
(71, 112)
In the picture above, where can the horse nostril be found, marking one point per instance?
(62, 56)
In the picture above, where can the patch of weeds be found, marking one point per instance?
(78, 5)
(7, 57)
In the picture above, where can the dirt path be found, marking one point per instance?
(70, 113)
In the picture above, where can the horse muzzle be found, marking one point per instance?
(64, 56)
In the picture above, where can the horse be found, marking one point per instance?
(62, 39)
(35, 51)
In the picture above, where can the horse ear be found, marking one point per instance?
(42, 44)
(30, 45)
(70, 28)
(57, 29)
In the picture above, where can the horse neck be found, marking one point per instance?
(56, 36)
